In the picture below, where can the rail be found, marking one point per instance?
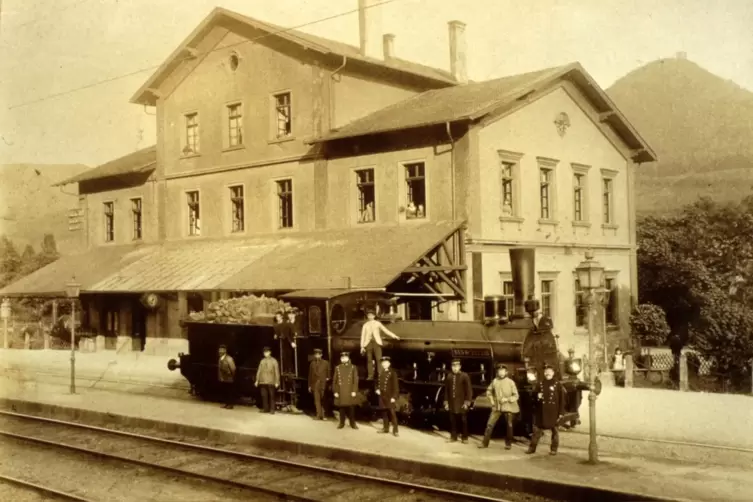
(337, 475)
(41, 489)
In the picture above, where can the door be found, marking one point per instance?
(138, 327)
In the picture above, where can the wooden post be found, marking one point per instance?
(683, 372)
(629, 371)
(54, 311)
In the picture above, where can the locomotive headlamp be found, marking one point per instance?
(531, 376)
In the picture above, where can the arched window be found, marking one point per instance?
(315, 320)
(338, 319)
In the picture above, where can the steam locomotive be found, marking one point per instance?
(331, 320)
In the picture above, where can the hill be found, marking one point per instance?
(30, 206)
(701, 127)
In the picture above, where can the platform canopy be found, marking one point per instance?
(358, 258)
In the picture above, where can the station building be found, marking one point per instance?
(286, 161)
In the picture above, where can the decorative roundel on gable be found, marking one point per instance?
(562, 121)
(150, 300)
(234, 61)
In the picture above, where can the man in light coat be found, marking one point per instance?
(503, 394)
(268, 380)
(371, 341)
(226, 377)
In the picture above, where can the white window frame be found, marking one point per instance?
(510, 212)
(356, 216)
(506, 278)
(277, 203)
(196, 148)
(613, 276)
(227, 139)
(611, 176)
(274, 123)
(553, 294)
(189, 227)
(403, 201)
(549, 165)
(581, 170)
(133, 218)
(244, 197)
(111, 230)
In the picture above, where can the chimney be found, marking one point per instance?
(388, 42)
(522, 265)
(457, 51)
(682, 55)
(370, 28)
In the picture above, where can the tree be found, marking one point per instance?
(648, 323)
(10, 261)
(28, 260)
(49, 251)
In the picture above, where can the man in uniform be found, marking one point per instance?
(318, 378)
(268, 380)
(426, 369)
(288, 335)
(226, 377)
(503, 394)
(371, 341)
(388, 390)
(345, 388)
(550, 408)
(458, 396)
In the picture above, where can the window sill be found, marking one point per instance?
(286, 229)
(234, 148)
(193, 236)
(280, 140)
(414, 220)
(190, 156)
(582, 224)
(609, 226)
(365, 222)
(544, 221)
(511, 219)
(137, 239)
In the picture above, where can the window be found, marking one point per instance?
(578, 192)
(415, 179)
(136, 218)
(194, 213)
(192, 134)
(547, 297)
(237, 206)
(235, 125)
(508, 293)
(109, 221)
(610, 285)
(508, 192)
(112, 322)
(606, 193)
(581, 308)
(315, 320)
(366, 195)
(283, 114)
(285, 208)
(545, 193)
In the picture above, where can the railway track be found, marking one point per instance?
(45, 492)
(222, 471)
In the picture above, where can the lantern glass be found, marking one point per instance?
(72, 289)
(590, 274)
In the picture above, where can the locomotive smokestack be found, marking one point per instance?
(523, 266)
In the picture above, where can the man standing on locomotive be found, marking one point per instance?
(226, 377)
(550, 408)
(458, 395)
(371, 341)
(287, 331)
(268, 380)
(503, 394)
(388, 389)
(318, 378)
(345, 388)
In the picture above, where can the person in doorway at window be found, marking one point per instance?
(458, 395)
(268, 380)
(503, 394)
(388, 390)
(345, 388)
(618, 366)
(420, 211)
(318, 378)
(550, 409)
(411, 210)
(371, 341)
(226, 376)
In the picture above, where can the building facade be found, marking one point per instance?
(285, 161)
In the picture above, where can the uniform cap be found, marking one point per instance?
(222, 347)
(370, 311)
(501, 366)
(266, 349)
(386, 358)
(548, 367)
(346, 354)
(456, 361)
(317, 351)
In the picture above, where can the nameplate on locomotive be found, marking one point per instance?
(471, 353)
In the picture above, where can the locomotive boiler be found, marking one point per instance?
(331, 320)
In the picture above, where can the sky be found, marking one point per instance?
(69, 67)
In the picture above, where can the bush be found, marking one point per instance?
(648, 323)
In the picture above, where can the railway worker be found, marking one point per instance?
(388, 389)
(550, 409)
(503, 394)
(458, 395)
(371, 341)
(268, 380)
(226, 377)
(345, 388)
(318, 378)
(285, 331)
(427, 368)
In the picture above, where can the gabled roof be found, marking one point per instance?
(231, 20)
(476, 100)
(142, 161)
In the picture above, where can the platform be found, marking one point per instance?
(668, 479)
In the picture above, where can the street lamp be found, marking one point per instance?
(72, 290)
(590, 275)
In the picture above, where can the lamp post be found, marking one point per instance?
(72, 290)
(5, 314)
(590, 274)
